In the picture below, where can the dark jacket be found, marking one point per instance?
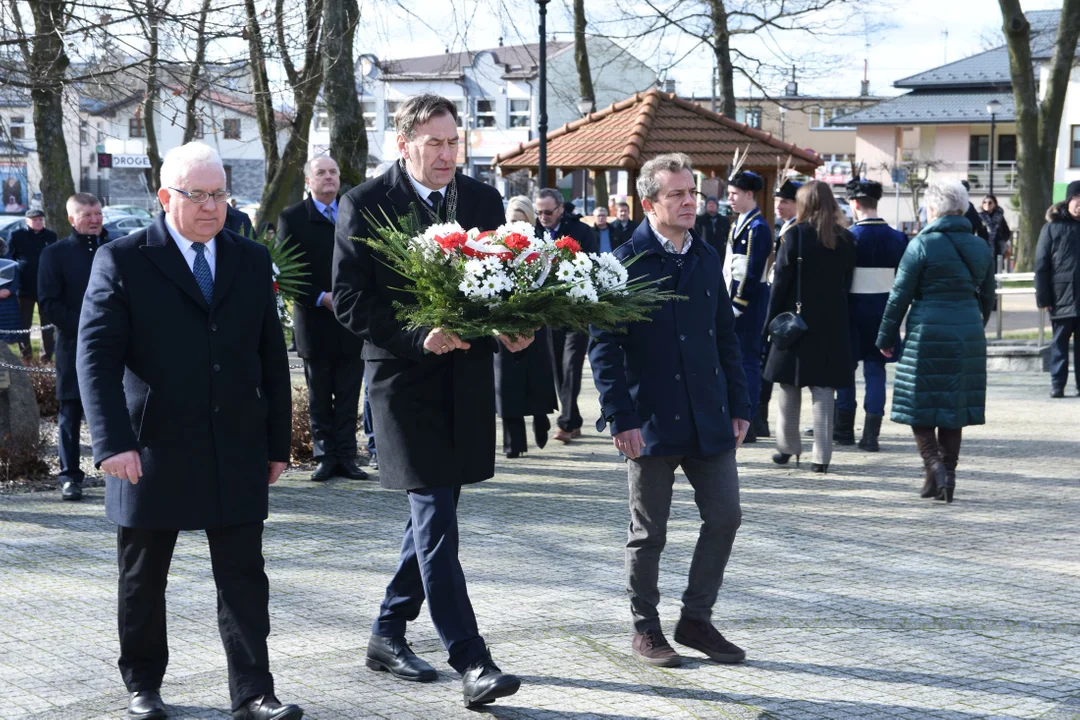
(714, 230)
(1057, 272)
(997, 229)
(679, 377)
(941, 373)
(63, 273)
(751, 246)
(977, 227)
(25, 248)
(613, 236)
(574, 228)
(10, 315)
(201, 391)
(822, 356)
(318, 333)
(434, 414)
(238, 222)
(623, 233)
(525, 381)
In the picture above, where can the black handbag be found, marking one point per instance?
(787, 328)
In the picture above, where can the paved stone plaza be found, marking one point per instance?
(852, 597)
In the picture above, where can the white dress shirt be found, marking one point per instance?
(423, 190)
(189, 254)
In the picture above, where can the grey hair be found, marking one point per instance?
(947, 197)
(309, 166)
(520, 203)
(180, 159)
(550, 193)
(419, 109)
(648, 187)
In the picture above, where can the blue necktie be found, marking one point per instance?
(202, 271)
(330, 214)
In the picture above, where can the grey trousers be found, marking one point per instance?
(715, 480)
(788, 439)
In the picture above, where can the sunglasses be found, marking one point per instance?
(545, 213)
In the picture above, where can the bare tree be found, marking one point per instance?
(1037, 123)
(348, 134)
(585, 83)
(192, 121)
(149, 17)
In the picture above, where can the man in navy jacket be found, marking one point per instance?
(674, 393)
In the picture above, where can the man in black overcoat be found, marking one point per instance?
(183, 370)
(432, 395)
(623, 226)
(568, 347)
(713, 227)
(239, 222)
(63, 272)
(25, 248)
(332, 363)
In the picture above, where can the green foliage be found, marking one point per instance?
(292, 272)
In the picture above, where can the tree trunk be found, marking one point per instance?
(1037, 125)
(149, 104)
(721, 42)
(264, 102)
(585, 85)
(48, 63)
(191, 117)
(348, 135)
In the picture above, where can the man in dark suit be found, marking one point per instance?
(25, 248)
(624, 227)
(713, 227)
(332, 363)
(432, 393)
(63, 271)
(603, 232)
(183, 368)
(568, 348)
(239, 222)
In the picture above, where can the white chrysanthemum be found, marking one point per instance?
(519, 226)
(474, 266)
(428, 250)
(583, 290)
(583, 261)
(565, 272)
(441, 229)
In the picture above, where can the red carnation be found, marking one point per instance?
(452, 241)
(568, 243)
(516, 241)
(275, 287)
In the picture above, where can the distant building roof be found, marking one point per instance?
(934, 107)
(520, 62)
(990, 68)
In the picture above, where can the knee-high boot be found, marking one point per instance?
(934, 486)
(844, 427)
(950, 453)
(871, 431)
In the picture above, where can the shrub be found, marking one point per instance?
(44, 389)
(301, 449)
(22, 459)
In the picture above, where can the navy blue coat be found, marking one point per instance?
(679, 377)
(201, 390)
(878, 250)
(25, 247)
(63, 273)
(10, 317)
(751, 245)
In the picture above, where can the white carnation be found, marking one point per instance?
(441, 229)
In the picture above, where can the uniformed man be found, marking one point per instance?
(784, 205)
(878, 249)
(749, 246)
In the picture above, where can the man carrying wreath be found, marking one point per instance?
(432, 395)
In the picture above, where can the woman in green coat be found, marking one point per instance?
(946, 277)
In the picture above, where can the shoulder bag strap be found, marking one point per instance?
(798, 272)
(971, 273)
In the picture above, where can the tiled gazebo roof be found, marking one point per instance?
(627, 134)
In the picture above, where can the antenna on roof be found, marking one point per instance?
(945, 44)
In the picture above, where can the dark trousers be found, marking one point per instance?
(334, 405)
(874, 399)
(26, 316)
(715, 481)
(369, 424)
(515, 439)
(748, 329)
(429, 568)
(243, 595)
(1059, 352)
(69, 422)
(568, 350)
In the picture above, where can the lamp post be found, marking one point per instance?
(783, 123)
(992, 107)
(542, 122)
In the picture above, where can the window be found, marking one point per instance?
(84, 132)
(231, 128)
(1006, 148)
(980, 148)
(322, 119)
(840, 112)
(391, 108)
(368, 108)
(520, 113)
(485, 113)
(228, 176)
(750, 116)
(1074, 149)
(135, 127)
(17, 129)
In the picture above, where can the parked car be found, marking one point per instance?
(126, 224)
(127, 210)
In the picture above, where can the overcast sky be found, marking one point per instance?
(915, 40)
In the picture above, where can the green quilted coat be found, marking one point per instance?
(941, 373)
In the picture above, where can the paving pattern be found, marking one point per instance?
(852, 597)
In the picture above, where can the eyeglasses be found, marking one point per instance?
(545, 213)
(201, 196)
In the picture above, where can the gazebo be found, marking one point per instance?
(630, 132)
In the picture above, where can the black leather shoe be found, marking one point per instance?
(326, 470)
(394, 656)
(484, 683)
(819, 468)
(351, 470)
(1057, 393)
(267, 707)
(146, 705)
(70, 489)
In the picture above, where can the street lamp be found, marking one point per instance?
(993, 107)
(585, 106)
(542, 122)
(783, 118)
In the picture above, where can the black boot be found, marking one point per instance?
(950, 454)
(871, 430)
(934, 485)
(844, 428)
(761, 421)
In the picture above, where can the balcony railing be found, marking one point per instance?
(1005, 176)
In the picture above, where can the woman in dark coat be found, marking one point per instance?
(946, 277)
(524, 381)
(821, 358)
(997, 227)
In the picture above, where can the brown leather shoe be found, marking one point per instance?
(652, 647)
(704, 637)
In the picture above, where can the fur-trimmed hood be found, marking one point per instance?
(1059, 211)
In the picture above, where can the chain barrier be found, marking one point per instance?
(26, 331)
(24, 368)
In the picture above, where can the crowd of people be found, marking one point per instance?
(168, 341)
